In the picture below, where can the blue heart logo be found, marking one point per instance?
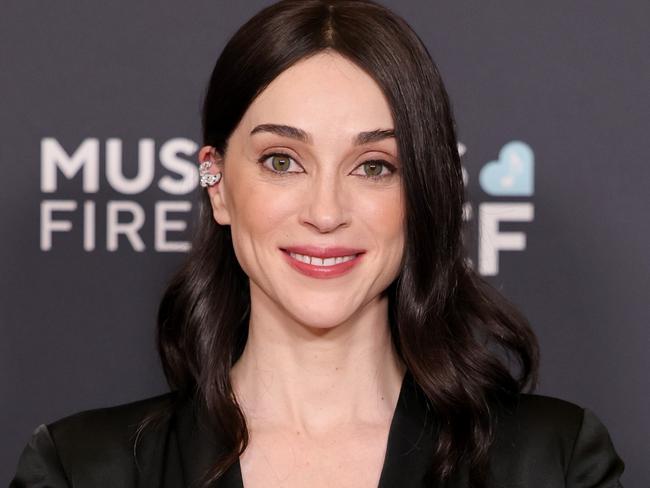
(512, 174)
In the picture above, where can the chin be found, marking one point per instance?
(321, 317)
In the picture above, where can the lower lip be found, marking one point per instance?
(322, 271)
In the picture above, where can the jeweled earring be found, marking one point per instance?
(207, 178)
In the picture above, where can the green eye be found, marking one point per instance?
(280, 163)
(373, 168)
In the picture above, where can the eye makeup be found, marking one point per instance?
(382, 176)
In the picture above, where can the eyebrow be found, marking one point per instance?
(301, 135)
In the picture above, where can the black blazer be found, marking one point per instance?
(541, 442)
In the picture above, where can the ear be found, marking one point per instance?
(217, 191)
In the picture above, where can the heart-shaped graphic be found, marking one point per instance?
(512, 174)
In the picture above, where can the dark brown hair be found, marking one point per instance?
(455, 333)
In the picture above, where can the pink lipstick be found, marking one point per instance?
(322, 262)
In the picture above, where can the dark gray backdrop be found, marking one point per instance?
(568, 79)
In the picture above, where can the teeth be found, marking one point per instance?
(319, 261)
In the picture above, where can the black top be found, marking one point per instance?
(541, 442)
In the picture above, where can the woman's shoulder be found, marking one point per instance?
(548, 414)
(99, 440)
(545, 431)
(534, 421)
(112, 424)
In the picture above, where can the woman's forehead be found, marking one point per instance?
(324, 95)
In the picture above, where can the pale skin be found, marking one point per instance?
(319, 378)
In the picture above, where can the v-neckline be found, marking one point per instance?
(408, 447)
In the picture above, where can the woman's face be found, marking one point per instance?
(309, 183)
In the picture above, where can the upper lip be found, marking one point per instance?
(324, 252)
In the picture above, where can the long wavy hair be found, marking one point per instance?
(456, 334)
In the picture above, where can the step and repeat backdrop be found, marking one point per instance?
(99, 127)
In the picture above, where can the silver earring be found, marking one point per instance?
(207, 178)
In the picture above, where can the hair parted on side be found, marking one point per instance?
(446, 321)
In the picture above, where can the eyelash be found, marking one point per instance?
(386, 164)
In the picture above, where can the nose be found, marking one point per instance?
(325, 203)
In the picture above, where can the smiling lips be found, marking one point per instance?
(322, 262)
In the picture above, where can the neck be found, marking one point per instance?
(314, 380)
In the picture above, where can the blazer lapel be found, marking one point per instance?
(408, 454)
(198, 447)
(410, 440)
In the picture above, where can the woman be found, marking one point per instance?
(326, 329)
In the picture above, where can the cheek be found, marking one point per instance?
(385, 214)
(260, 210)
